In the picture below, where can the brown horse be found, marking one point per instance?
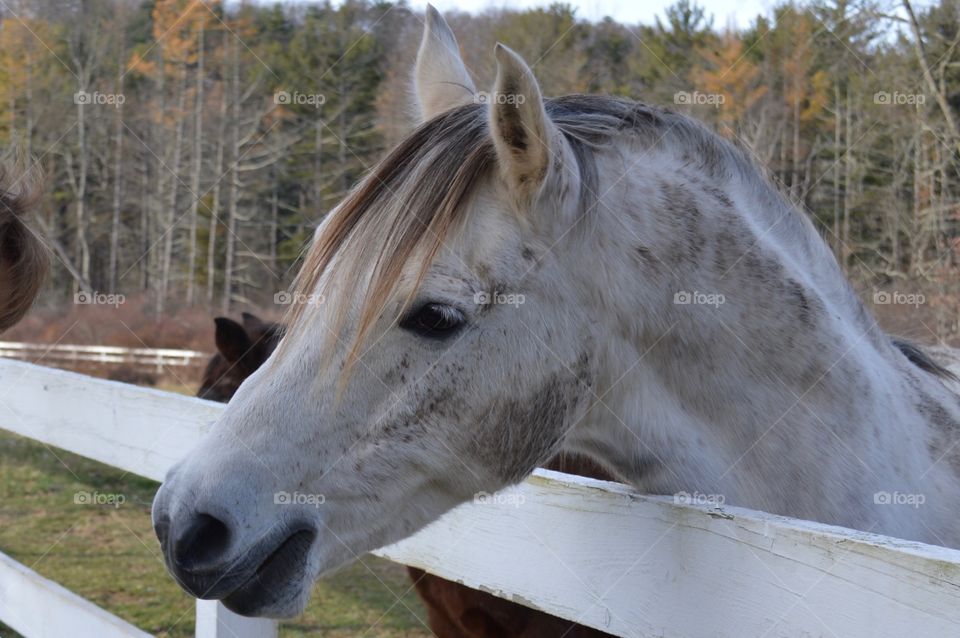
(24, 260)
(241, 349)
(454, 610)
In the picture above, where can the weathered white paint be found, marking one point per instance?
(637, 565)
(40, 608)
(216, 621)
(582, 549)
(136, 429)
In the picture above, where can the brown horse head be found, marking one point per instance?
(24, 261)
(241, 349)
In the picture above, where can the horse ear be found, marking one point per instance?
(441, 80)
(523, 134)
(253, 324)
(232, 340)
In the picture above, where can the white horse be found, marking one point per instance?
(524, 276)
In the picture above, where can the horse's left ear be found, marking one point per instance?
(232, 340)
(524, 137)
(253, 324)
(440, 77)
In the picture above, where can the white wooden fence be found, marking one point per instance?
(71, 355)
(586, 550)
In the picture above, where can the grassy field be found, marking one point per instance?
(109, 555)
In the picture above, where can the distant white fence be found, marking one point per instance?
(65, 354)
(582, 549)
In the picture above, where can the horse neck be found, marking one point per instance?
(775, 395)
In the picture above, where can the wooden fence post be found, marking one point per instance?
(216, 621)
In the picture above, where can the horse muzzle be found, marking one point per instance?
(214, 557)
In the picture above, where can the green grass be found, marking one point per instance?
(109, 555)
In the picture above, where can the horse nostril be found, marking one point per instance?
(203, 543)
(162, 529)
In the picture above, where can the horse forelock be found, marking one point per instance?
(411, 201)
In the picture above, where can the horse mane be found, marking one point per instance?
(414, 199)
(24, 259)
(920, 358)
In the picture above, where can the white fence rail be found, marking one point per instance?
(37, 607)
(586, 550)
(66, 354)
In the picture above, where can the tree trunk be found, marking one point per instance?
(197, 167)
(145, 206)
(795, 181)
(82, 247)
(274, 211)
(117, 179)
(342, 134)
(215, 208)
(170, 213)
(156, 212)
(917, 205)
(318, 166)
(836, 171)
(28, 115)
(847, 183)
(233, 192)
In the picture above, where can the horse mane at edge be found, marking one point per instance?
(920, 358)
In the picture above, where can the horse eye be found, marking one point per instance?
(433, 320)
